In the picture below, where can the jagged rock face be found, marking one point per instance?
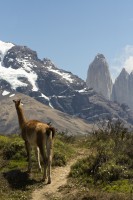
(22, 71)
(98, 76)
(122, 91)
(99, 79)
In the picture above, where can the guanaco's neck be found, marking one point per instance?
(21, 117)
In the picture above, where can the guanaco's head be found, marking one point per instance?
(17, 103)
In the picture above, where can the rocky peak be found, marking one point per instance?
(122, 89)
(99, 79)
(99, 56)
(18, 55)
(98, 76)
(123, 73)
(47, 61)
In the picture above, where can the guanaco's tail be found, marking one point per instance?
(51, 129)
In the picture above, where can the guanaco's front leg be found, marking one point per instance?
(28, 150)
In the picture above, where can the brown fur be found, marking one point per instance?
(38, 134)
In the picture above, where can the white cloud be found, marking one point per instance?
(123, 60)
(128, 65)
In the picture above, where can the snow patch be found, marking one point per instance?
(83, 90)
(64, 75)
(4, 47)
(4, 93)
(47, 98)
(12, 75)
(26, 64)
(50, 105)
(12, 95)
(44, 96)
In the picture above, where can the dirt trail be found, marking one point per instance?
(59, 178)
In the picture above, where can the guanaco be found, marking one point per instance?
(39, 135)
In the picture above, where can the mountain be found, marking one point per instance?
(122, 91)
(98, 76)
(22, 71)
(99, 79)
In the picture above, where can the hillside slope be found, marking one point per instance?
(36, 110)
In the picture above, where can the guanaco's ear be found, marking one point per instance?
(14, 101)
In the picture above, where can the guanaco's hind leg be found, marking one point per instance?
(44, 158)
(49, 155)
(37, 153)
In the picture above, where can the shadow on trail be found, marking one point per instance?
(19, 180)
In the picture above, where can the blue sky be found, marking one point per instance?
(72, 32)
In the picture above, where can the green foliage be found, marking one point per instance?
(14, 150)
(3, 141)
(69, 139)
(12, 147)
(111, 160)
(63, 151)
(120, 186)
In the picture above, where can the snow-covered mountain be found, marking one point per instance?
(22, 71)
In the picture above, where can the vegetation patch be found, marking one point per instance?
(110, 165)
(63, 150)
(104, 172)
(15, 181)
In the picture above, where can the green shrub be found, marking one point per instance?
(59, 159)
(112, 158)
(4, 141)
(14, 150)
(63, 151)
(120, 186)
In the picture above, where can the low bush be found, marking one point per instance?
(112, 158)
(14, 150)
(63, 151)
